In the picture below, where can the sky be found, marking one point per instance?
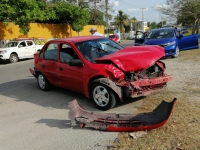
(134, 8)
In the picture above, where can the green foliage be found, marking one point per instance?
(23, 12)
(121, 20)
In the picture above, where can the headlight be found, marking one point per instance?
(3, 51)
(170, 43)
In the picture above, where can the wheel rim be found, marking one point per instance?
(177, 51)
(41, 81)
(101, 96)
(14, 58)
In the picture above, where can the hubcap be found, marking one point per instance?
(41, 81)
(14, 58)
(101, 96)
(177, 51)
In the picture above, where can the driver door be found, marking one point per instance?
(22, 50)
(188, 42)
(70, 77)
(139, 38)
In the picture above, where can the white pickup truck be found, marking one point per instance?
(21, 48)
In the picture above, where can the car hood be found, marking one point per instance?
(134, 58)
(159, 41)
(6, 48)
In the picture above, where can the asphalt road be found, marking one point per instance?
(31, 119)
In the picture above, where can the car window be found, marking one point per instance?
(97, 48)
(11, 44)
(50, 53)
(23, 44)
(139, 35)
(161, 33)
(67, 53)
(29, 43)
(111, 36)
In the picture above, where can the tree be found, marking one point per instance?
(186, 12)
(71, 14)
(121, 20)
(55, 11)
(19, 12)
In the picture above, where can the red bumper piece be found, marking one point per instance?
(120, 122)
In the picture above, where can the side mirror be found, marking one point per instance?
(20, 46)
(38, 50)
(76, 62)
(180, 36)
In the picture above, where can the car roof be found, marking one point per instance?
(76, 39)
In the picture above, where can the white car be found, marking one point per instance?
(18, 49)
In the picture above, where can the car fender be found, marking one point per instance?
(112, 85)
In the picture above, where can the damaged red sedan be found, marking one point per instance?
(100, 69)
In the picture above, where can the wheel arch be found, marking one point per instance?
(109, 83)
(15, 54)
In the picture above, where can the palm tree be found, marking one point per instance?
(121, 19)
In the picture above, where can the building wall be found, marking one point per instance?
(44, 30)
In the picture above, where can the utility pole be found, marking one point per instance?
(143, 18)
(77, 2)
(106, 2)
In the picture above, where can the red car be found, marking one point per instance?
(100, 69)
(115, 38)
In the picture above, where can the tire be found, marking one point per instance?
(13, 58)
(177, 52)
(103, 97)
(43, 83)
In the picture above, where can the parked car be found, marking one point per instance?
(20, 48)
(168, 38)
(115, 38)
(184, 30)
(100, 69)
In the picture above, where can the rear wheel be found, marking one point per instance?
(43, 83)
(104, 98)
(176, 52)
(13, 58)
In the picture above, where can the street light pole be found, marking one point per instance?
(143, 19)
(106, 2)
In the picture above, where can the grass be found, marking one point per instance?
(182, 131)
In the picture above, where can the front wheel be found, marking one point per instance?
(176, 52)
(13, 58)
(104, 98)
(43, 83)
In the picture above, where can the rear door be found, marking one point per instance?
(31, 48)
(48, 65)
(139, 38)
(188, 42)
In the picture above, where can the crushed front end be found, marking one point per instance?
(144, 82)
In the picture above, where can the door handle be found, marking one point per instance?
(60, 68)
(43, 65)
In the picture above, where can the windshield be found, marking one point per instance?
(161, 33)
(97, 48)
(11, 44)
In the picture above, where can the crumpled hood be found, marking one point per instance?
(134, 58)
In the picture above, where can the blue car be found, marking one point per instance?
(168, 38)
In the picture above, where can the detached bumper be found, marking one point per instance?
(120, 122)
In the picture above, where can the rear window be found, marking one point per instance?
(111, 36)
